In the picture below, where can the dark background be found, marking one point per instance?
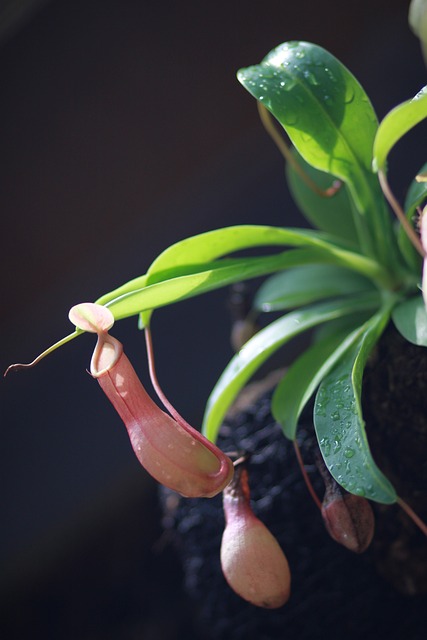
(123, 129)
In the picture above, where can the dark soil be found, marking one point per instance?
(395, 410)
(335, 593)
(129, 579)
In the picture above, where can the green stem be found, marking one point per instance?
(18, 366)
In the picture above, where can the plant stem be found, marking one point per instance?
(400, 213)
(307, 480)
(416, 519)
(157, 388)
(18, 366)
(268, 122)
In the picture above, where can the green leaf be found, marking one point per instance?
(307, 284)
(410, 319)
(214, 244)
(129, 287)
(396, 124)
(304, 376)
(339, 423)
(417, 194)
(259, 348)
(330, 120)
(333, 215)
(206, 278)
(341, 325)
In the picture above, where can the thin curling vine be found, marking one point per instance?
(358, 270)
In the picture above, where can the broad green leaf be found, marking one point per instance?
(333, 215)
(207, 277)
(211, 245)
(304, 376)
(259, 348)
(396, 124)
(410, 319)
(339, 422)
(128, 287)
(416, 196)
(307, 284)
(181, 274)
(330, 120)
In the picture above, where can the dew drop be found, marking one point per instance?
(311, 78)
(321, 410)
(370, 490)
(349, 452)
(330, 75)
(326, 446)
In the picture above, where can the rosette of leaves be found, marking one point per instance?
(346, 278)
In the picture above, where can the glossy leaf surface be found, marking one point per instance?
(307, 284)
(193, 252)
(127, 287)
(396, 124)
(410, 319)
(207, 278)
(259, 348)
(339, 422)
(334, 214)
(211, 245)
(304, 376)
(329, 119)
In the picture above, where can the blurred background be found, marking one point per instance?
(122, 130)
